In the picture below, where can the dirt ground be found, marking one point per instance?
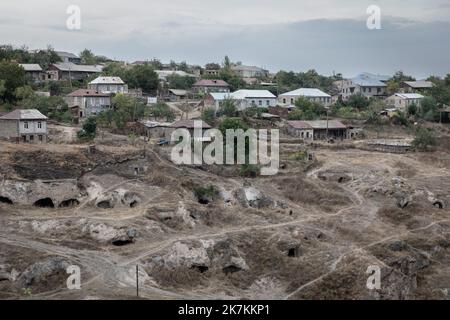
(311, 232)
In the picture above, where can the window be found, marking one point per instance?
(284, 100)
(268, 102)
(31, 138)
(40, 137)
(260, 102)
(292, 100)
(25, 125)
(39, 125)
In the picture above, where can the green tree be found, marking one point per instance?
(209, 116)
(180, 82)
(88, 130)
(429, 109)
(423, 139)
(232, 123)
(162, 110)
(144, 77)
(13, 76)
(87, 57)
(228, 108)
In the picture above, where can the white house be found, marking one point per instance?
(401, 101)
(108, 85)
(26, 125)
(254, 98)
(367, 84)
(313, 95)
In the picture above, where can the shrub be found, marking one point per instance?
(424, 139)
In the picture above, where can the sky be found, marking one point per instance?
(326, 35)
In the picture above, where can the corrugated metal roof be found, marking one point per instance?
(211, 83)
(307, 92)
(370, 80)
(409, 95)
(219, 96)
(420, 84)
(107, 80)
(247, 94)
(87, 93)
(178, 92)
(189, 124)
(317, 124)
(31, 67)
(24, 114)
(69, 66)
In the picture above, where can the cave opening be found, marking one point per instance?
(231, 269)
(294, 252)
(70, 203)
(121, 242)
(438, 204)
(200, 268)
(44, 203)
(5, 200)
(105, 204)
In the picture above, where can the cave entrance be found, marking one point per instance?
(105, 204)
(294, 252)
(134, 204)
(44, 203)
(70, 203)
(122, 242)
(438, 204)
(203, 201)
(231, 269)
(5, 200)
(200, 268)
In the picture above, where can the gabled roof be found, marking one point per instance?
(24, 114)
(409, 95)
(67, 54)
(219, 96)
(189, 124)
(247, 94)
(211, 83)
(31, 67)
(307, 92)
(370, 80)
(420, 84)
(69, 66)
(87, 93)
(107, 80)
(178, 92)
(317, 124)
(247, 68)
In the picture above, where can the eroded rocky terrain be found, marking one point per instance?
(310, 232)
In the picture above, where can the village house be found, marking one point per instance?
(25, 125)
(366, 84)
(71, 71)
(68, 57)
(317, 130)
(34, 72)
(214, 100)
(108, 85)
(401, 101)
(416, 86)
(176, 95)
(152, 129)
(163, 74)
(254, 98)
(249, 71)
(313, 95)
(206, 86)
(86, 102)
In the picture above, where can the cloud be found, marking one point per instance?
(284, 34)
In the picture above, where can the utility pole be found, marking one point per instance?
(137, 281)
(327, 108)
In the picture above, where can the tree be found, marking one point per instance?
(87, 57)
(180, 82)
(13, 76)
(428, 109)
(89, 129)
(232, 123)
(126, 109)
(228, 108)
(162, 110)
(209, 116)
(212, 66)
(358, 101)
(144, 77)
(423, 139)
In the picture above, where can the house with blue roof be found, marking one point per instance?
(367, 84)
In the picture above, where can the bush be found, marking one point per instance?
(89, 129)
(424, 139)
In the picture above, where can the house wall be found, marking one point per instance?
(89, 105)
(207, 89)
(109, 88)
(9, 129)
(256, 102)
(288, 99)
(305, 134)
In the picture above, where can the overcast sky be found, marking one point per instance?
(326, 35)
